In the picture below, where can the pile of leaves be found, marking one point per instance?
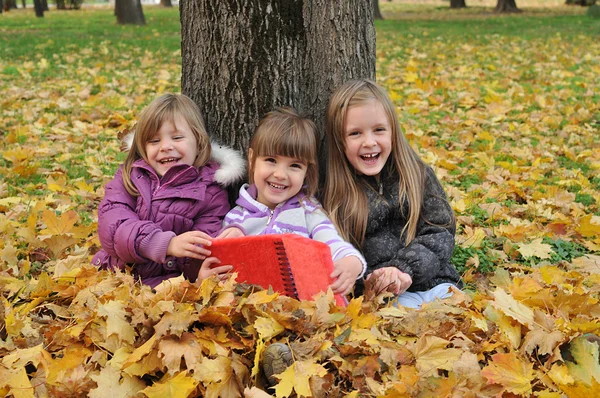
(84, 332)
(510, 126)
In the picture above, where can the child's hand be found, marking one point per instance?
(389, 279)
(209, 269)
(344, 274)
(190, 244)
(232, 232)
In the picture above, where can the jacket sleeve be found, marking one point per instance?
(432, 247)
(210, 219)
(120, 230)
(322, 229)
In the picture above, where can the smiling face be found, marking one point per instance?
(277, 178)
(368, 137)
(174, 143)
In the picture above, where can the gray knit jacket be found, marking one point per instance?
(427, 258)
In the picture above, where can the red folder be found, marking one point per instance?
(296, 266)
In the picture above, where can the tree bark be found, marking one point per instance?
(507, 6)
(129, 12)
(166, 3)
(39, 8)
(45, 5)
(458, 4)
(1, 6)
(24, 3)
(376, 11)
(243, 58)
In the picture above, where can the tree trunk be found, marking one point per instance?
(45, 5)
(458, 4)
(166, 3)
(61, 5)
(507, 6)
(376, 12)
(10, 4)
(24, 3)
(241, 59)
(39, 8)
(1, 6)
(129, 12)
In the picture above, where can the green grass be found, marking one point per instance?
(22, 35)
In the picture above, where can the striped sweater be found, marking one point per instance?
(299, 215)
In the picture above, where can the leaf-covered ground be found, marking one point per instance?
(507, 111)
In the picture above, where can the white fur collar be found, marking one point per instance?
(233, 165)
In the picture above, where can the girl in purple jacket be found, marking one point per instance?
(167, 201)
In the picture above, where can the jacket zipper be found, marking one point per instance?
(271, 212)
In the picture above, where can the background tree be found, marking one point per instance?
(39, 8)
(166, 3)
(458, 4)
(9, 4)
(507, 6)
(376, 11)
(242, 59)
(1, 6)
(129, 12)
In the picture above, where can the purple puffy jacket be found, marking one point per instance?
(136, 231)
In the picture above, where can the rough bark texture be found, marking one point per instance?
(39, 8)
(166, 3)
(458, 4)
(507, 6)
(129, 12)
(376, 11)
(242, 58)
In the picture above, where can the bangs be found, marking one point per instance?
(292, 142)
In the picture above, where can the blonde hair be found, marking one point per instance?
(283, 132)
(345, 199)
(165, 109)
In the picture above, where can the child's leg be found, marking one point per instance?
(417, 299)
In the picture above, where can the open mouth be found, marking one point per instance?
(277, 186)
(168, 160)
(370, 158)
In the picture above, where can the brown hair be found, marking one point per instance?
(283, 132)
(164, 109)
(344, 197)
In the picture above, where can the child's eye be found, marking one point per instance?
(178, 137)
(297, 165)
(154, 141)
(270, 160)
(352, 133)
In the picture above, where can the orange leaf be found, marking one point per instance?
(510, 372)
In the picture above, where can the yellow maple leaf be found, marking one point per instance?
(60, 225)
(511, 372)
(180, 386)
(172, 350)
(431, 353)
(513, 308)
(535, 249)
(139, 352)
(297, 377)
(267, 327)
(589, 263)
(589, 226)
(586, 366)
(116, 320)
(111, 384)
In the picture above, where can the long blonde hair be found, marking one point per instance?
(283, 132)
(164, 109)
(345, 199)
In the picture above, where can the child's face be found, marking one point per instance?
(278, 178)
(172, 144)
(368, 137)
